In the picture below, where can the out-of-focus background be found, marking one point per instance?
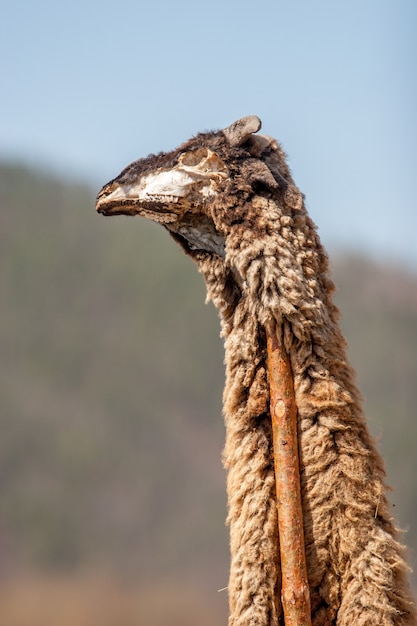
(112, 500)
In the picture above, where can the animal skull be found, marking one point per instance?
(176, 189)
(170, 192)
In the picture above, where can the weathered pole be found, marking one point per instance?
(295, 594)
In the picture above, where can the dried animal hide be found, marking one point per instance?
(242, 219)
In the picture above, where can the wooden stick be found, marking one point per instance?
(295, 594)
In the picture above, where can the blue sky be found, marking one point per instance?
(88, 86)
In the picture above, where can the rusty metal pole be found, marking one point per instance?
(295, 594)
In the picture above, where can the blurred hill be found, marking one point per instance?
(111, 378)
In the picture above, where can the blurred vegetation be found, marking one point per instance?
(110, 404)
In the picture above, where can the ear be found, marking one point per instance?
(255, 172)
(293, 197)
(257, 144)
(240, 131)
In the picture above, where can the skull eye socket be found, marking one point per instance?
(194, 157)
(203, 162)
